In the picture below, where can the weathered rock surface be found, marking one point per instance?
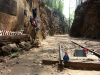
(25, 45)
(6, 50)
(52, 22)
(14, 47)
(16, 43)
(10, 48)
(18, 22)
(87, 20)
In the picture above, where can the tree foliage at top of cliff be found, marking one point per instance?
(57, 4)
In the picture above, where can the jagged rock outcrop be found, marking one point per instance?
(87, 20)
(52, 21)
(18, 21)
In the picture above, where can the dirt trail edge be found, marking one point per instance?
(30, 62)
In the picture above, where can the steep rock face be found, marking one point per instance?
(52, 22)
(18, 22)
(87, 20)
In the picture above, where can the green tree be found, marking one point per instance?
(57, 4)
(70, 19)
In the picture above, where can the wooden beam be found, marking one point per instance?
(82, 65)
(60, 54)
(49, 62)
(75, 65)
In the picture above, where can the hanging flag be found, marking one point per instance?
(86, 50)
(37, 20)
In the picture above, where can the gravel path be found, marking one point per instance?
(30, 62)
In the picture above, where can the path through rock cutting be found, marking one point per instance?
(30, 62)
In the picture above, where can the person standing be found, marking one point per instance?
(34, 11)
(25, 13)
(32, 21)
(66, 57)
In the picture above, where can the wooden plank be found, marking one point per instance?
(60, 54)
(49, 62)
(81, 65)
(75, 65)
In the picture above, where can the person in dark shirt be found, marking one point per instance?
(66, 57)
(32, 21)
(34, 11)
(25, 13)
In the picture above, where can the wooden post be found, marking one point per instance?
(60, 55)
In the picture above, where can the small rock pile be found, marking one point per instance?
(15, 46)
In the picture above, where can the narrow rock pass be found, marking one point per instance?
(30, 62)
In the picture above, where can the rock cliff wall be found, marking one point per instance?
(18, 22)
(87, 20)
(52, 21)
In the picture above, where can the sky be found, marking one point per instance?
(66, 7)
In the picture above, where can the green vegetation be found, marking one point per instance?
(59, 4)
(56, 4)
(70, 20)
(15, 54)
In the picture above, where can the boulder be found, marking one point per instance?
(25, 45)
(6, 50)
(14, 47)
(36, 43)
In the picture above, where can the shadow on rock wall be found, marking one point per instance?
(52, 21)
(87, 20)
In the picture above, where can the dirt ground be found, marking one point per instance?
(30, 62)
